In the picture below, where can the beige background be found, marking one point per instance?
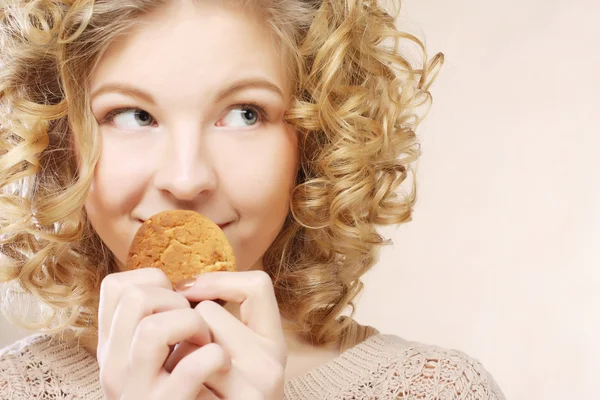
(502, 258)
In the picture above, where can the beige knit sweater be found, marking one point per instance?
(376, 367)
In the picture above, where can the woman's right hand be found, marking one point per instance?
(140, 319)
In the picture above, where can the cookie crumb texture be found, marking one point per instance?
(183, 244)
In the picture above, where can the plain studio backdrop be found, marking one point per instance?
(502, 258)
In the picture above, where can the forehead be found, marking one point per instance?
(192, 47)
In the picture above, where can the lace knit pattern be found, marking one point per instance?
(383, 367)
(388, 368)
(43, 367)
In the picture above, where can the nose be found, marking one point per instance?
(185, 169)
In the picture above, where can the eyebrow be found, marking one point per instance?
(237, 86)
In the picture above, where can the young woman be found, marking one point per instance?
(289, 123)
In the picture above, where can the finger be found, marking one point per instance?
(113, 286)
(236, 338)
(253, 290)
(207, 394)
(142, 363)
(232, 385)
(194, 370)
(261, 360)
(181, 350)
(154, 336)
(136, 303)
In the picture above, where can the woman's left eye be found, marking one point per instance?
(244, 115)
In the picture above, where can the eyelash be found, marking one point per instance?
(263, 117)
(113, 113)
(262, 114)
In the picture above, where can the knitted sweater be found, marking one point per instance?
(382, 367)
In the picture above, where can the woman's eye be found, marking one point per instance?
(130, 118)
(242, 116)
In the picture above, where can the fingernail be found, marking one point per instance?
(185, 284)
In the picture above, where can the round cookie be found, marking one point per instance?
(182, 243)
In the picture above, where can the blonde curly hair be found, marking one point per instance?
(357, 102)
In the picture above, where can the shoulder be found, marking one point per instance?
(41, 366)
(23, 351)
(412, 369)
(20, 362)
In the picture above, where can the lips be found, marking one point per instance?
(220, 225)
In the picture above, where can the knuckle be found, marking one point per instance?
(206, 306)
(197, 320)
(134, 295)
(135, 299)
(184, 303)
(148, 330)
(262, 279)
(218, 355)
(260, 284)
(110, 284)
(193, 316)
(157, 277)
(211, 356)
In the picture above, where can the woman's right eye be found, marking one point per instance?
(130, 118)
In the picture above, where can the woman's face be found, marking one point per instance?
(190, 108)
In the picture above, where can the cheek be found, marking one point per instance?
(258, 181)
(264, 174)
(116, 189)
(119, 177)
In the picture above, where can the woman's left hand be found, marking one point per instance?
(255, 342)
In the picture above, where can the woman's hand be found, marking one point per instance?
(255, 342)
(140, 319)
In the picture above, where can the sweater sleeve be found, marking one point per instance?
(430, 372)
